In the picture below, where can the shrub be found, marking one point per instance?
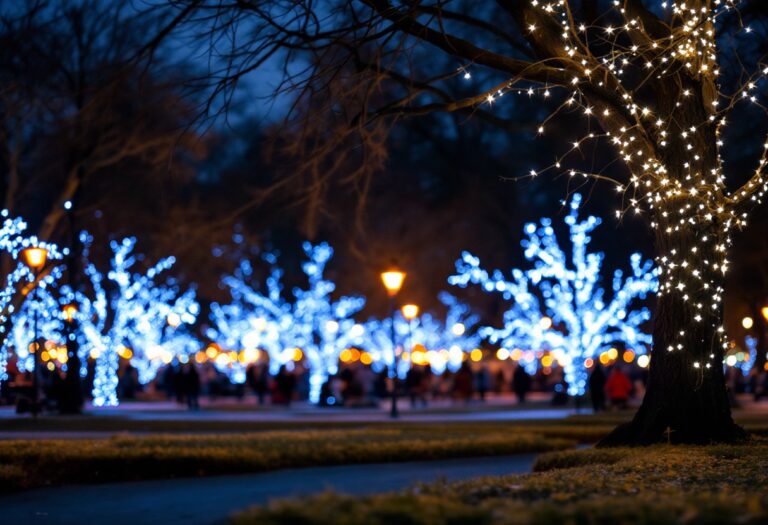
(48, 462)
(655, 485)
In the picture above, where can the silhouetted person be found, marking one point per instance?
(560, 388)
(258, 380)
(127, 383)
(192, 386)
(597, 387)
(462, 382)
(285, 382)
(178, 384)
(521, 383)
(483, 381)
(498, 381)
(169, 381)
(413, 385)
(618, 387)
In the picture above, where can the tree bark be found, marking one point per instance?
(686, 400)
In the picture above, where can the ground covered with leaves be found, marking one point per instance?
(658, 485)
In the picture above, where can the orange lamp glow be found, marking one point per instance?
(69, 312)
(393, 281)
(35, 257)
(410, 311)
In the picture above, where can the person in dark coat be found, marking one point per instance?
(521, 383)
(258, 379)
(285, 383)
(413, 383)
(482, 381)
(462, 383)
(597, 387)
(192, 386)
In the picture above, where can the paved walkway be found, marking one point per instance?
(207, 501)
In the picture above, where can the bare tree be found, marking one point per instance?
(656, 83)
(77, 98)
(83, 111)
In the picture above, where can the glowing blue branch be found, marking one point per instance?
(559, 305)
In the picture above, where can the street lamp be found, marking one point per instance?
(410, 311)
(393, 281)
(764, 312)
(35, 257)
(68, 312)
(72, 399)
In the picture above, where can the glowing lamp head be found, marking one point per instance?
(35, 257)
(764, 312)
(393, 281)
(410, 311)
(747, 322)
(68, 312)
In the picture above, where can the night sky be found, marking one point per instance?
(448, 182)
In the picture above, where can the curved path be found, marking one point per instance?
(206, 501)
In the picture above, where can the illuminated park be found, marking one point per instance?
(371, 262)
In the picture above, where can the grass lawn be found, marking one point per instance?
(657, 485)
(222, 447)
(34, 463)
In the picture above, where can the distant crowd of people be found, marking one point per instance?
(356, 385)
(614, 387)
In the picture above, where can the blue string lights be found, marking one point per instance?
(559, 305)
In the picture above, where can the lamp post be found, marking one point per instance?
(393, 281)
(35, 258)
(72, 400)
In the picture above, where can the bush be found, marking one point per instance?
(656, 485)
(48, 462)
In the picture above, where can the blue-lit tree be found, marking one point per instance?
(446, 341)
(45, 305)
(22, 281)
(377, 341)
(162, 332)
(450, 340)
(323, 327)
(253, 321)
(310, 320)
(559, 304)
(126, 308)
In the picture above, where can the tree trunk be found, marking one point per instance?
(686, 399)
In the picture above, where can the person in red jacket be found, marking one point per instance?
(618, 387)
